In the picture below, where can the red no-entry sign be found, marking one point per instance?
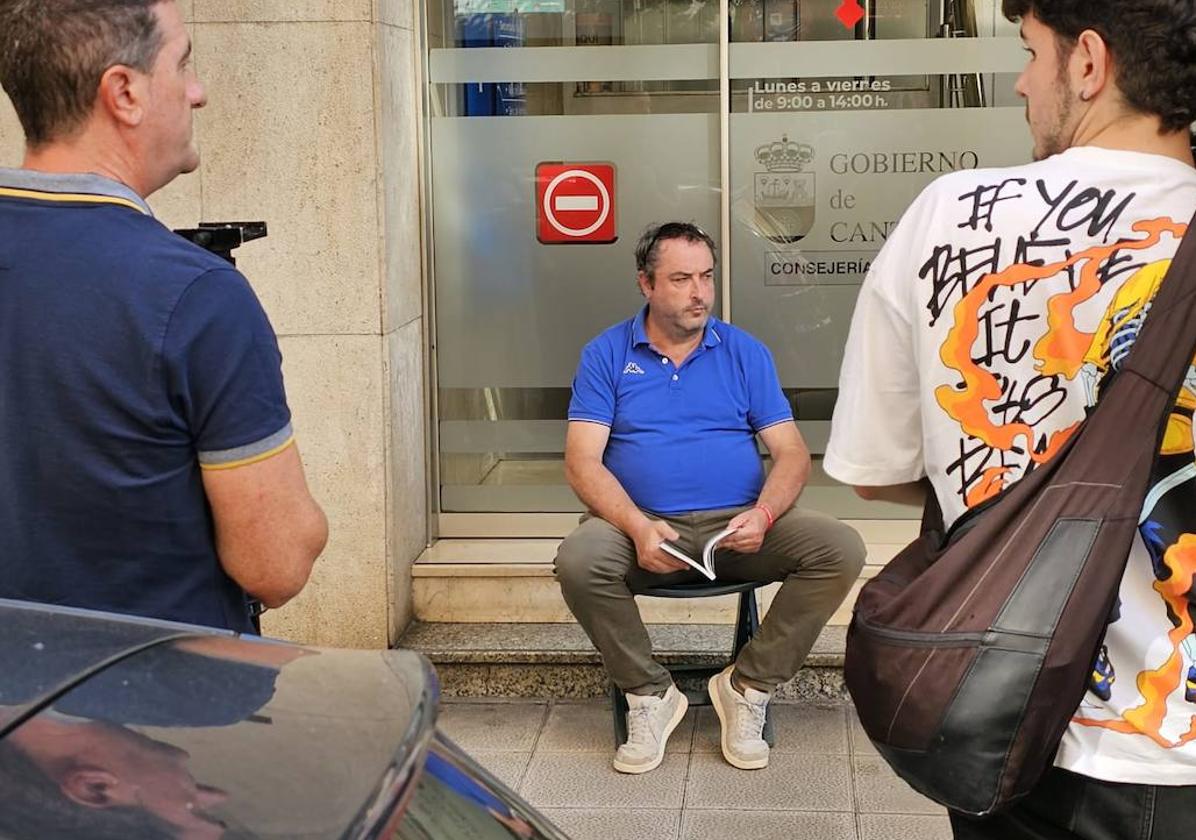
(575, 202)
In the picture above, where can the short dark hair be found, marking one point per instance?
(33, 805)
(1153, 44)
(647, 250)
(54, 52)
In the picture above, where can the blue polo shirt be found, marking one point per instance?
(681, 439)
(129, 360)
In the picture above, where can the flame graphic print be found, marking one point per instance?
(1157, 685)
(990, 484)
(1060, 351)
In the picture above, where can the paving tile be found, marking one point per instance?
(860, 743)
(790, 825)
(587, 780)
(807, 728)
(508, 766)
(903, 827)
(879, 790)
(588, 727)
(615, 823)
(497, 727)
(789, 782)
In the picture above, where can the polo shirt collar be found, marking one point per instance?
(82, 185)
(639, 334)
(711, 338)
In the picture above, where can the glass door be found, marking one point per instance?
(523, 91)
(558, 129)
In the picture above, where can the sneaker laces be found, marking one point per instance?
(749, 724)
(639, 724)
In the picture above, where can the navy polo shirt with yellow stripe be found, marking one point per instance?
(682, 439)
(131, 359)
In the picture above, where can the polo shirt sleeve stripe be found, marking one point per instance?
(593, 394)
(580, 418)
(250, 453)
(767, 403)
(768, 424)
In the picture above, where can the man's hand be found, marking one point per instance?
(651, 557)
(750, 527)
(595, 485)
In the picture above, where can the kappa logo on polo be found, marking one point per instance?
(632, 367)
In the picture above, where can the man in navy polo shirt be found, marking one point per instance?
(147, 462)
(661, 446)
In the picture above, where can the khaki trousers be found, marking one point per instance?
(815, 557)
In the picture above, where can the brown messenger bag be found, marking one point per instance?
(968, 654)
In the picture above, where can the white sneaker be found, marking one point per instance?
(742, 719)
(650, 721)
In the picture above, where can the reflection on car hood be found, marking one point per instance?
(43, 651)
(214, 733)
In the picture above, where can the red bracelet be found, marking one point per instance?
(767, 512)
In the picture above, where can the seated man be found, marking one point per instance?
(661, 445)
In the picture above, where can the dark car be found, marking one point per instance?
(117, 727)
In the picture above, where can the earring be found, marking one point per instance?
(1085, 96)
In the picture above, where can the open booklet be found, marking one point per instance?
(706, 567)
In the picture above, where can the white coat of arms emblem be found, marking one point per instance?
(784, 192)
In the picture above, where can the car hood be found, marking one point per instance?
(207, 734)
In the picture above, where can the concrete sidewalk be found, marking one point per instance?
(824, 780)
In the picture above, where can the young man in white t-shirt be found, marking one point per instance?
(986, 327)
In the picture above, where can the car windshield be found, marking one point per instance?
(455, 799)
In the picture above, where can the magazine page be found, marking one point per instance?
(711, 545)
(685, 558)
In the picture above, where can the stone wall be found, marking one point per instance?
(312, 124)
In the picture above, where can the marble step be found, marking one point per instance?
(554, 660)
(510, 580)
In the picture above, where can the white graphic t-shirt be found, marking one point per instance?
(989, 321)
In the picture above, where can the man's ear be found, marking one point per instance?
(644, 282)
(91, 787)
(122, 94)
(1090, 66)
